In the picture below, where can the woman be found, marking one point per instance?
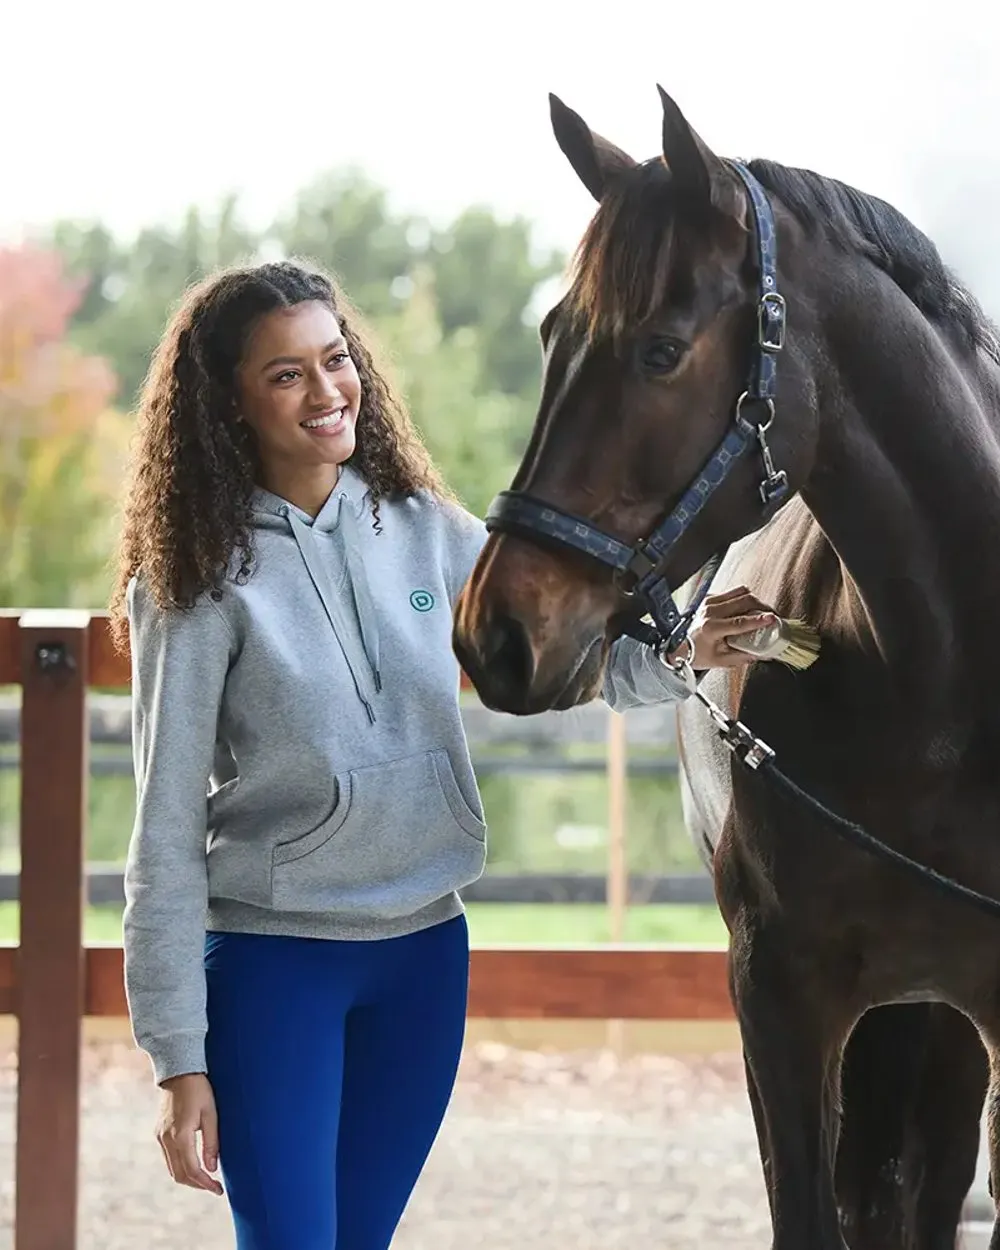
(296, 954)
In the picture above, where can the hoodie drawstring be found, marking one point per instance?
(364, 667)
(363, 602)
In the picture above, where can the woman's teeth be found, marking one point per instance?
(317, 422)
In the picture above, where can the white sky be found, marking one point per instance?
(130, 110)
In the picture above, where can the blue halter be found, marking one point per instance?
(519, 512)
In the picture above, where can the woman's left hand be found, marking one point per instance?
(736, 611)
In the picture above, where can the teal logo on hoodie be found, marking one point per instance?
(421, 600)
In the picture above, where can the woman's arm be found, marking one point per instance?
(179, 665)
(636, 676)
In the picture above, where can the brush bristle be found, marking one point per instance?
(803, 645)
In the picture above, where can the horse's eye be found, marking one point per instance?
(662, 355)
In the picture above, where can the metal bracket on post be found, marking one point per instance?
(53, 657)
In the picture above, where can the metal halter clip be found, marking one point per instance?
(775, 482)
(681, 668)
(753, 751)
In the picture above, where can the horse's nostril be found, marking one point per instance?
(507, 653)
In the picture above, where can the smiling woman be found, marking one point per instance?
(296, 951)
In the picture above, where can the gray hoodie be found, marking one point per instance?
(300, 760)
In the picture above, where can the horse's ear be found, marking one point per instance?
(596, 160)
(698, 173)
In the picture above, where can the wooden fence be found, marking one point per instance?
(51, 980)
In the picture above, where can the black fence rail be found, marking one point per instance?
(104, 886)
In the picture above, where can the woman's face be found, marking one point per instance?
(299, 392)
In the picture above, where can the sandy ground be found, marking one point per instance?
(537, 1150)
(581, 1149)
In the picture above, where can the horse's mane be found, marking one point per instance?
(623, 262)
(868, 226)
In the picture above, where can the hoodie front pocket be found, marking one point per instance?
(401, 836)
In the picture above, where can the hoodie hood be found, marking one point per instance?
(354, 623)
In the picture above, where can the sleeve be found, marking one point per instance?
(636, 677)
(180, 659)
(466, 536)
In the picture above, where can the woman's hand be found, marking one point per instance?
(188, 1109)
(734, 612)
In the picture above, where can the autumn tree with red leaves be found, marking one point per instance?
(61, 443)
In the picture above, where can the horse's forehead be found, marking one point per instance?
(625, 279)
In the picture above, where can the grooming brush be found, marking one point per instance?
(791, 642)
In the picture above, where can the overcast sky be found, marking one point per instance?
(130, 110)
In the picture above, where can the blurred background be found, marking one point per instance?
(408, 148)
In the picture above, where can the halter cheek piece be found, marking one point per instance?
(635, 568)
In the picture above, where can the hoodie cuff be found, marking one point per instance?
(176, 1054)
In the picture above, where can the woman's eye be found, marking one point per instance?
(662, 355)
(339, 359)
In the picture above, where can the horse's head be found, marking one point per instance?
(645, 363)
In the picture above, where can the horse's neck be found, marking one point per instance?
(907, 489)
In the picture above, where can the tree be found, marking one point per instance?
(60, 444)
(128, 290)
(474, 436)
(343, 222)
(486, 279)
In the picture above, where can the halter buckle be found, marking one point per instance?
(771, 322)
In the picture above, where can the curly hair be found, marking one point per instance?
(186, 518)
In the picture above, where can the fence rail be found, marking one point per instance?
(51, 980)
(103, 884)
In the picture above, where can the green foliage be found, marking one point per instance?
(486, 279)
(474, 436)
(343, 222)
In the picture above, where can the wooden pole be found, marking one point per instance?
(51, 970)
(617, 884)
(617, 888)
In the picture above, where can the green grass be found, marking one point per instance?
(533, 923)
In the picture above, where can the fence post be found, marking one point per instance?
(617, 776)
(51, 971)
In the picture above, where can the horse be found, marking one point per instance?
(763, 361)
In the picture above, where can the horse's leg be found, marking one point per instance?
(945, 1127)
(913, 1084)
(879, 1082)
(760, 1124)
(756, 1106)
(793, 1031)
(991, 1035)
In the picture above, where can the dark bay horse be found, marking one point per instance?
(855, 482)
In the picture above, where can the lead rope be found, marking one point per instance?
(756, 755)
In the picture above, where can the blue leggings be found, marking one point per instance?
(332, 1065)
